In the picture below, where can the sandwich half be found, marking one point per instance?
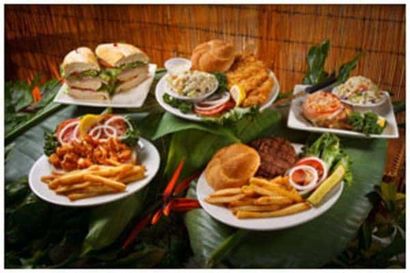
(125, 65)
(80, 70)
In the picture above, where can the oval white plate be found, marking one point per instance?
(161, 88)
(148, 156)
(382, 100)
(225, 216)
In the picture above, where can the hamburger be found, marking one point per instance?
(80, 70)
(125, 65)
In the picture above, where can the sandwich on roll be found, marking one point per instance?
(80, 71)
(126, 66)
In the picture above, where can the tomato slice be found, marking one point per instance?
(315, 163)
(217, 110)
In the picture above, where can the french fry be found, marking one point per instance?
(248, 190)
(263, 191)
(135, 171)
(282, 181)
(69, 178)
(68, 188)
(224, 199)
(47, 178)
(133, 178)
(112, 171)
(242, 214)
(242, 202)
(256, 208)
(294, 195)
(227, 191)
(273, 200)
(106, 181)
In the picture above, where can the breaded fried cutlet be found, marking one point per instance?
(252, 74)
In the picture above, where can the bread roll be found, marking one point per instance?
(213, 56)
(232, 166)
(117, 54)
(79, 60)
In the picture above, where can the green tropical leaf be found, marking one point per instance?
(198, 142)
(108, 221)
(310, 245)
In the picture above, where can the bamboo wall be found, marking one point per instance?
(38, 37)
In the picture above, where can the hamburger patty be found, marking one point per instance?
(277, 155)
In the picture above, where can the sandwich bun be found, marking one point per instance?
(232, 166)
(87, 94)
(124, 86)
(116, 54)
(213, 56)
(79, 60)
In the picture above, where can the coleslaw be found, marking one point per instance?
(359, 90)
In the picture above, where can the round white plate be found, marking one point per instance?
(382, 100)
(161, 88)
(148, 156)
(224, 215)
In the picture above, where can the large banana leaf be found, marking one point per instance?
(310, 245)
(197, 142)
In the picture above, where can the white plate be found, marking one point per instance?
(225, 216)
(297, 121)
(370, 105)
(160, 90)
(132, 98)
(148, 156)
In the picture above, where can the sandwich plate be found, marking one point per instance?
(162, 88)
(297, 121)
(224, 215)
(148, 156)
(132, 98)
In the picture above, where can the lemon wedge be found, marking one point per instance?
(86, 122)
(238, 94)
(332, 181)
(381, 121)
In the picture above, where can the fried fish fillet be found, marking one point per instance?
(252, 74)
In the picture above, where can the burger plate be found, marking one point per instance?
(224, 215)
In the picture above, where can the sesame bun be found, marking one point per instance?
(232, 166)
(213, 56)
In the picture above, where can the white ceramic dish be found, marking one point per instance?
(225, 216)
(177, 65)
(297, 121)
(161, 90)
(174, 94)
(133, 98)
(148, 156)
(370, 105)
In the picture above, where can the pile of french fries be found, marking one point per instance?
(261, 198)
(93, 181)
